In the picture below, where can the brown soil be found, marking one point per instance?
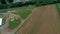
(44, 20)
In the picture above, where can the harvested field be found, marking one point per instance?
(44, 20)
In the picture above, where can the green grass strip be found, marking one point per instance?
(58, 7)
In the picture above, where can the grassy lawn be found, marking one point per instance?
(25, 11)
(24, 14)
(13, 24)
(58, 7)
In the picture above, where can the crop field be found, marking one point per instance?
(44, 20)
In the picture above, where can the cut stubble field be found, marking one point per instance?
(44, 20)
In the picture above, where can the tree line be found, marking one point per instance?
(4, 3)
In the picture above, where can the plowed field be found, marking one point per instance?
(44, 20)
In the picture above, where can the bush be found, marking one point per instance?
(18, 4)
(58, 1)
(31, 2)
(45, 2)
(3, 6)
(39, 3)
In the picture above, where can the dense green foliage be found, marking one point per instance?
(58, 7)
(18, 4)
(3, 6)
(45, 2)
(26, 3)
(4, 1)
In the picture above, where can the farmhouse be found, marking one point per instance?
(0, 21)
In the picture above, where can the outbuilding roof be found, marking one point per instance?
(0, 21)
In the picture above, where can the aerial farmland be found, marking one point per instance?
(29, 17)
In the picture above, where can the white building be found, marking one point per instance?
(14, 1)
(0, 21)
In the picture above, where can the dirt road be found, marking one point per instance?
(45, 20)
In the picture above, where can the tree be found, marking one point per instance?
(10, 1)
(58, 1)
(3, 1)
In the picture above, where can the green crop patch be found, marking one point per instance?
(24, 14)
(25, 11)
(14, 23)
